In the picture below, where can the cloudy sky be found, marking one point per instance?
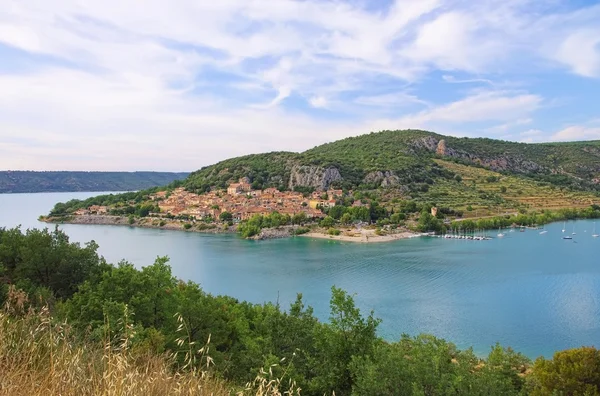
(159, 85)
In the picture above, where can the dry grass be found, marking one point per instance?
(41, 357)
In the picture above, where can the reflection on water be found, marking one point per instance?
(536, 293)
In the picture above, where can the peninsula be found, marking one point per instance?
(377, 187)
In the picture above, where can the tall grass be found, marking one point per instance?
(40, 356)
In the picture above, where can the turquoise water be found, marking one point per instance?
(536, 293)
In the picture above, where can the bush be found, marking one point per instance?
(327, 222)
(187, 226)
(334, 231)
(162, 223)
(300, 231)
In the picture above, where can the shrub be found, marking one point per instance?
(300, 231)
(187, 226)
(333, 231)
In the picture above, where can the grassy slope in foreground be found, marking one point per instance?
(33, 182)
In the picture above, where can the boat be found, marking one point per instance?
(594, 235)
(573, 230)
(543, 232)
(567, 237)
(564, 227)
(500, 234)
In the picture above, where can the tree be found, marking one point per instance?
(572, 372)
(348, 336)
(225, 216)
(327, 222)
(299, 218)
(346, 219)
(43, 258)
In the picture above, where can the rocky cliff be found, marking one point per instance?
(313, 176)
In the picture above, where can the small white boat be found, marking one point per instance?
(500, 234)
(543, 232)
(594, 235)
(567, 237)
(564, 227)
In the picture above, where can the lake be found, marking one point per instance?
(534, 292)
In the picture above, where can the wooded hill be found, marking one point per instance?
(407, 160)
(474, 177)
(31, 182)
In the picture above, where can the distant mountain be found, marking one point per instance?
(407, 160)
(31, 182)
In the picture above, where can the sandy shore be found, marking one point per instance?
(364, 236)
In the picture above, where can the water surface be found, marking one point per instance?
(536, 293)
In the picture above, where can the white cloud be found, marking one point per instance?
(577, 132)
(128, 85)
(581, 51)
(400, 99)
(318, 102)
(482, 106)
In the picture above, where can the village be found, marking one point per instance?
(239, 200)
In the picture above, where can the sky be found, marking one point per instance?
(174, 86)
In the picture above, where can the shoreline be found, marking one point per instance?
(364, 237)
(124, 221)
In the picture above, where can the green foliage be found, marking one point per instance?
(406, 154)
(327, 222)
(573, 372)
(46, 259)
(300, 230)
(427, 223)
(225, 216)
(344, 355)
(333, 231)
(187, 226)
(29, 181)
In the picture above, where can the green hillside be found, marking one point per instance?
(408, 172)
(406, 158)
(31, 182)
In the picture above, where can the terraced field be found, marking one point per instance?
(490, 193)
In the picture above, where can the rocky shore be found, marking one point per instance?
(143, 223)
(347, 235)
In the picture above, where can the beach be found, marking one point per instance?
(362, 236)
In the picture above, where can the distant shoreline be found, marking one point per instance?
(362, 236)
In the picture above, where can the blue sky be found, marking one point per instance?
(158, 85)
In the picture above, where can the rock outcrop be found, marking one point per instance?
(384, 179)
(441, 148)
(496, 163)
(428, 143)
(313, 176)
